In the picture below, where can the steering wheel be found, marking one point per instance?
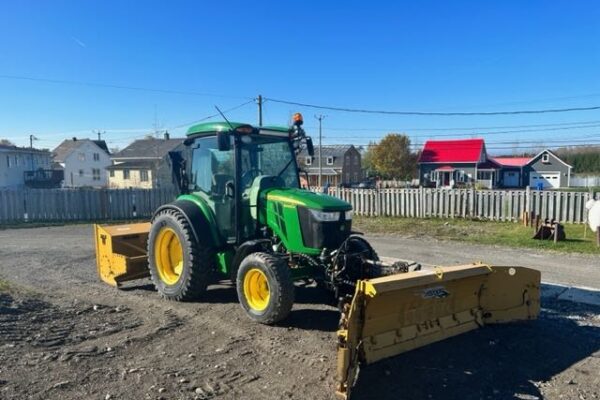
(250, 175)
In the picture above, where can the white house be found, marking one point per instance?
(84, 162)
(16, 161)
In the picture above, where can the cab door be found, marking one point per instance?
(211, 173)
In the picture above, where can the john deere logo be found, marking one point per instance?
(438, 292)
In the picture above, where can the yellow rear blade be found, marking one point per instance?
(121, 252)
(394, 314)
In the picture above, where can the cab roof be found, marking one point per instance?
(209, 128)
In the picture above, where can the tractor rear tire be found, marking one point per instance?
(180, 267)
(265, 288)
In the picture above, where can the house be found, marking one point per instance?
(449, 163)
(83, 162)
(26, 167)
(144, 164)
(340, 165)
(544, 170)
(465, 162)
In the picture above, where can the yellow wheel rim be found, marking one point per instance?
(168, 256)
(256, 289)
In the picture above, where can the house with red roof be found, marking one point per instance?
(465, 163)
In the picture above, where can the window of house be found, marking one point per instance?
(308, 160)
(329, 160)
(81, 156)
(484, 175)
(96, 174)
(81, 173)
(545, 158)
(125, 174)
(356, 158)
(111, 173)
(144, 175)
(96, 156)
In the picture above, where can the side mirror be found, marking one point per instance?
(309, 147)
(223, 141)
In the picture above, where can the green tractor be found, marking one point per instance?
(242, 215)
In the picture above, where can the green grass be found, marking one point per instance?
(4, 286)
(483, 232)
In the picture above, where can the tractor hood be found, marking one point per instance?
(301, 197)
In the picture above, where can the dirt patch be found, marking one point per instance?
(64, 335)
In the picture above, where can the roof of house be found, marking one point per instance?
(553, 154)
(62, 151)
(326, 171)
(445, 168)
(512, 161)
(148, 149)
(135, 164)
(452, 151)
(11, 147)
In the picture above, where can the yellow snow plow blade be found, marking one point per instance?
(121, 252)
(394, 314)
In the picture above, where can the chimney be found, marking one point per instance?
(167, 136)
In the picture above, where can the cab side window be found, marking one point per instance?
(211, 168)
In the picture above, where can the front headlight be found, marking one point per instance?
(348, 215)
(326, 216)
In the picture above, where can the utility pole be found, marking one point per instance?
(320, 118)
(259, 101)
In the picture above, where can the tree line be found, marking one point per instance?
(585, 160)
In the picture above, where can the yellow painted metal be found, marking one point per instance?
(394, 314)
(256, 289)
(121, 252)
(168, 256)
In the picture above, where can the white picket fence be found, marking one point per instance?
(113, 204)
(47, 205)
(585, 181)
(495, 205)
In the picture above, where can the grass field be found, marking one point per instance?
(483, 232)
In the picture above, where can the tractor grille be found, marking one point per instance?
(318, 234)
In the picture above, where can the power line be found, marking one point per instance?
(114, 86)
(460, 128)
(427, 113)
(478, 133)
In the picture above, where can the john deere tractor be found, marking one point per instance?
(242, 215)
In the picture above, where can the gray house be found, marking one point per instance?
(340, 164)
(465, 162)
(547, 170)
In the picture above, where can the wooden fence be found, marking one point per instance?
(114, 204)
(496, 205)
(80, 204)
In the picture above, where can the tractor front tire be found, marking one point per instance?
(180, 267)
(265, 288)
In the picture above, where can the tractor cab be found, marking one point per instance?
(229, 165)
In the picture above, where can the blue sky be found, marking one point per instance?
(421, 56)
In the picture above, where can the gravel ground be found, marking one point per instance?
(65, 335)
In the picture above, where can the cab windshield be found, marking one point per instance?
(267, 155)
